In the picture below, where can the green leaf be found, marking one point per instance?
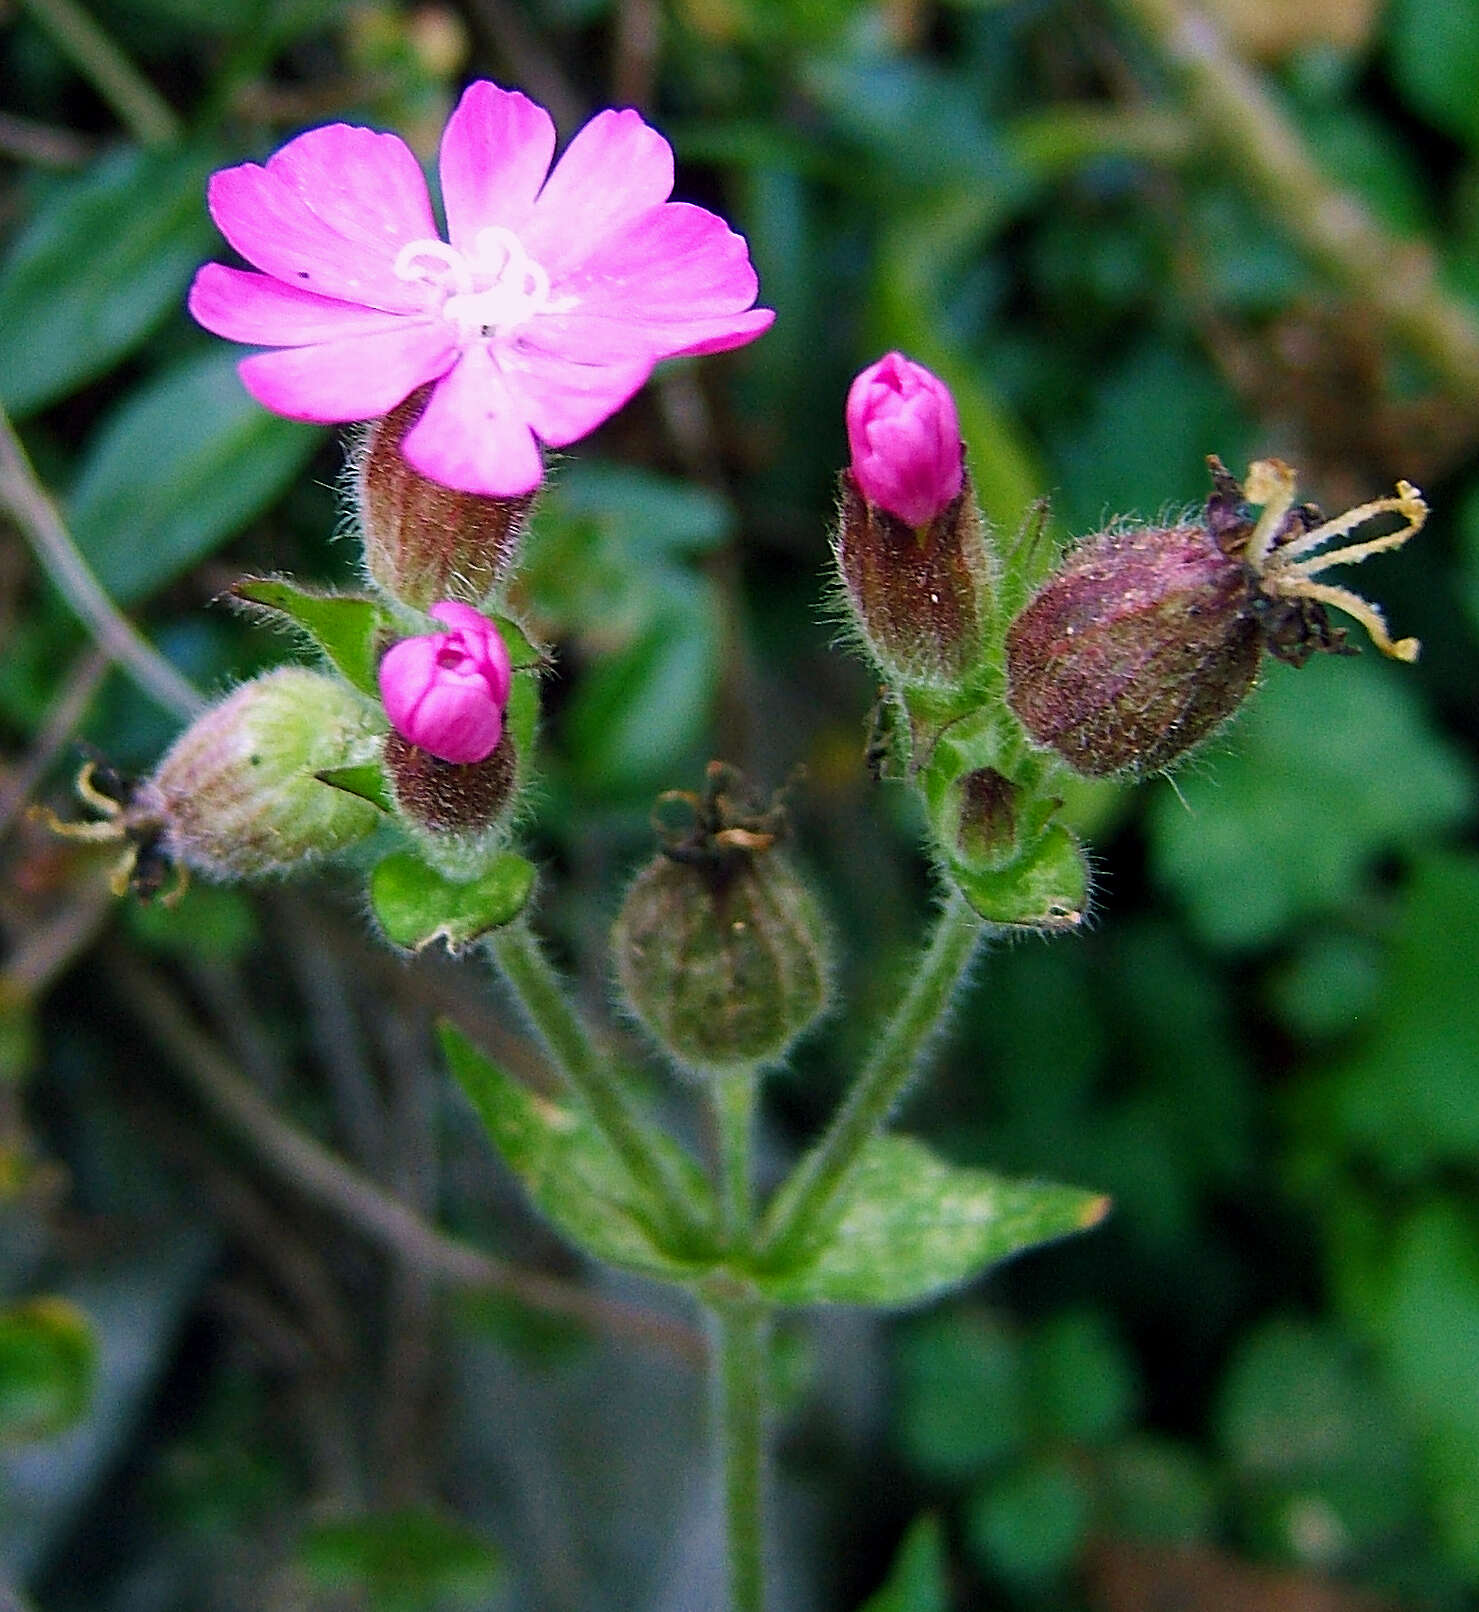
(1405, 1098)
(344, 626)
(106, 256)
(1435, 61)
(1427, 1330)
(416, 905)
(48, 1360)
(184, 463)
(1047, 887)
(912, 1226)
(637, 709)
(571, 1173)
(402, 1561)
(1333, 767)
(917, 1581)
(523, 653)
(368, 782)
(960, 1393)
(1030, 1524)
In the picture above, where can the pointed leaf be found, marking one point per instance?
(368, 782)
(182, 464)
(523, 653)
(570, 1171)
(913, 1225)
(416, 905)
(917, 1581)
(107, 255)
(344, 626)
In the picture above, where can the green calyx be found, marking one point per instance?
(239, 794)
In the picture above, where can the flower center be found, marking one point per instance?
(487, 292)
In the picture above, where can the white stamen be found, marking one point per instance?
(435, 263)
(495, 288)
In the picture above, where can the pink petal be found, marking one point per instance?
(718, 335)
(613, 171)
(251, 307)
(355, 378)
(452, 715)
(496, 151)
(367, 187)
(680, 274)
(676, 261)
(569, 374)
(482, 640)
(325, 230)
(472, 435)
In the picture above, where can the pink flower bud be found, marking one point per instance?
(445, 692)
(905, 439)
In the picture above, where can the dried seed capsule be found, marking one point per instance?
(1148, 638)
(719, 946)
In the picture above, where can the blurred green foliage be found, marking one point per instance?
(1266, 1047)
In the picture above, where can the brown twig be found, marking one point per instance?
(528, 61)
(66, 710)
(1233, 106)
(25, 140)
(314, 1171)
(43, 528)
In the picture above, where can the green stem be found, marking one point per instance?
(138, 105)
(543, 996)
(802, 1207)
(734, 1106)
(742, 1330)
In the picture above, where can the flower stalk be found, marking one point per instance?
(802, 1210)
(741, 1330)
(735, 1097)
(672, 1219)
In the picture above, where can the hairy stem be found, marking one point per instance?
(544, 998)
(803, 1207)
(734, 1106)
(742, 1331)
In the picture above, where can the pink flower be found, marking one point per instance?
(905, 439)
(557, 294)
(445, 692)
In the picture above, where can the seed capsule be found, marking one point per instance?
(718, 945)
(1149, 638)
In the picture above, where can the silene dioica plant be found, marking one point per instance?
(542, 310)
